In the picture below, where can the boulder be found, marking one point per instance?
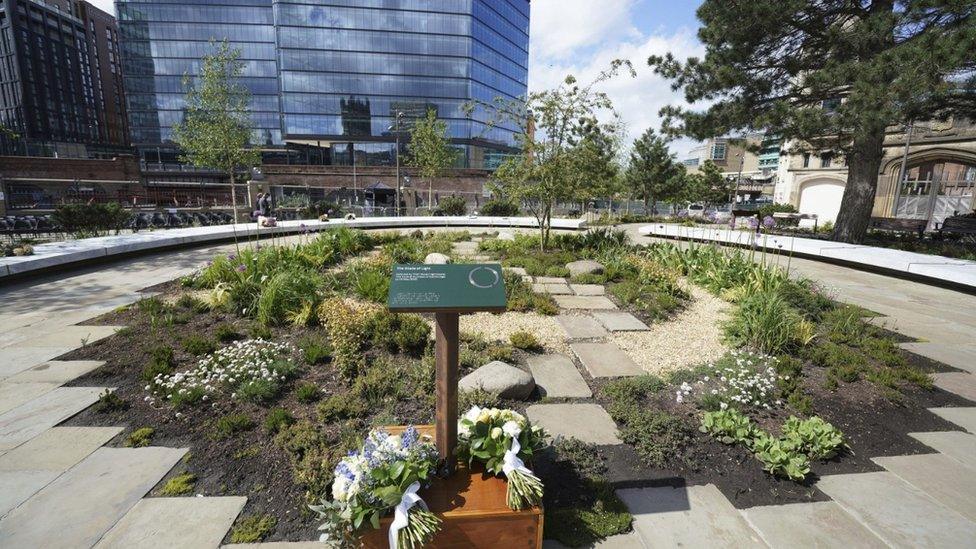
(586, 266)
(500, 378)
(437, 259)
(506, 235)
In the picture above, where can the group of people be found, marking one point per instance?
(264, 210)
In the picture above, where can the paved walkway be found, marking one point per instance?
(94, 494)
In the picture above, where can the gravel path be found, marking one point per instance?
(693, 337)
(500, 327)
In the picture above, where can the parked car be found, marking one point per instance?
(695, 210)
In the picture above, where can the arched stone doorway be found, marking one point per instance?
(822, 196)
(938, 183)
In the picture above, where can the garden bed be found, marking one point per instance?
(337, 364)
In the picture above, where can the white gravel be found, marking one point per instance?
(500, 327)
(693, 337)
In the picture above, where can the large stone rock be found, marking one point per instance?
(437, 259)
(506, 235)
(583, 267)
(503, 379)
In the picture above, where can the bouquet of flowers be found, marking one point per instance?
(384, 475)
(502, 440)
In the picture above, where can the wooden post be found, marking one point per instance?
(446, 364)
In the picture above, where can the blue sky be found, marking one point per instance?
(581, 37)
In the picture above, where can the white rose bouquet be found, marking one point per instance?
(384, 475)
(503, 440)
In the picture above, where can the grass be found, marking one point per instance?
(253, 529)
(198, 345)
(307, 393)
(277, 420)
(140, 438)
(229, 425)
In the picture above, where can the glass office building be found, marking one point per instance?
(332, 75)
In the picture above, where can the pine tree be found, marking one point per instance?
(833, 74)
(653, 175)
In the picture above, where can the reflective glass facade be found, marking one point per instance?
(335, 70)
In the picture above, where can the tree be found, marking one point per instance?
(430, 150)
(652, 174)
(833, 74)
(216, 128)
(563, 145)
(708, 186)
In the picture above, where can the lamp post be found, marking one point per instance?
(396, 129)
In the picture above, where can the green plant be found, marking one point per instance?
(260, 331)
(602, 514)
(315, 350)
(161, 362)
(341, 406)
(503, 353)
(89, 220)
(729, 426)
(226, 333)
(451, 206)
(525, 341)
(630, 390)
(307, 393)
(253, 529)
(179, 485)
(371, 284)
(814, 437)
(277, 419)
(231, 424)
(286, 294)
(198, 345)
(412, 334)
(765, 321)
(108, 401)
(477, 397)
(780, 457)
(499, 208)
(140, 437)
(347, 324)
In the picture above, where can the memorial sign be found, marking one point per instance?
(447, 288)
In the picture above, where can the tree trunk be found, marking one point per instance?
(864, 163)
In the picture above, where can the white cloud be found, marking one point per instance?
(104, 5)
(556, 52)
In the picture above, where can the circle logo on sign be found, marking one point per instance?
(484, 278)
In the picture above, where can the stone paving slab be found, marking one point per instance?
(14, 360)
(962, 357)
(71, 336)
(13, 395)
(85, 502)
(588, 289)
(202, 523)
(550, 280)
(691, 516)
(586, 422)
(605, 360)
(580, 302)
(57, 449)
(19, 486)
(963, 417)
(620, 322)
(897, 512)
(958, 445)
(517, 270)
(818, 524)
(581, 327)
(55, 371)
(556, 376)
(960, 383)
(552, 289)
(33, 418)
(944, 479)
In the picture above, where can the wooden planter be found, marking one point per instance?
(473, 506)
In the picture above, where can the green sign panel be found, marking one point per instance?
(447, 288)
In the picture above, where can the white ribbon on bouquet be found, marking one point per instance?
(401, 516)
(511, 461)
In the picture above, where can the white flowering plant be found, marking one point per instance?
(253, 369)
(384, 475)
(741, 379)
(503, 440)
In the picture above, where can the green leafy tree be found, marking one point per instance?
(216, 128)
(652, 174)
(563, 144)
(430, 150)
(833, 74)
(708, 186)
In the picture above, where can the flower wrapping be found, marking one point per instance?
(383, 476)
(502, 440)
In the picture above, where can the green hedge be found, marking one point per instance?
(88, 220)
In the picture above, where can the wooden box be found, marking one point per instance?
(473, 506)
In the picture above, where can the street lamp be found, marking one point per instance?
(396, 129)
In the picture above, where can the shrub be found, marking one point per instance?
(225, 333)
(179, 485)
(88, 220)
(277, 419)
(253, 529)
(110, 402)
(161, 363)
(341, 406)
(315, 350)
(503, 353)
(307, 393)
(346, 323)
(630, 390)
(525, 341)
(371, 284)
(198, 345)
(499, 208)
(286, 294)
(655, 434)
(600, 516)
(477, 397)
(231, 424)
(412, 335)
(451, 206)
(815, 437)
(140, 437)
